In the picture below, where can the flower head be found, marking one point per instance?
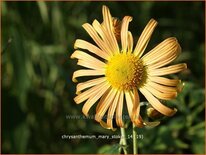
(119, 70)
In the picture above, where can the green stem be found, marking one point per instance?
(134, 135)
(123, 140)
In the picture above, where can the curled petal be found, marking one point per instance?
(161, 95)
(130, 42)
(156, 103)
(108, 23)
(136, 110)
(162, 54)
(135, 118)
(124, 32)
(104, 125)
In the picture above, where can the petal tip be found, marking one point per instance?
(78, 92)
(104, 7)
(152, 20)
(85, 25)
(85, 111)
(75, 45)
(72, 56)
(104, 125)
(96, 117)
(74, 80)
(76, 100)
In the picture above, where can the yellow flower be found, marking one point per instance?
(120, 70)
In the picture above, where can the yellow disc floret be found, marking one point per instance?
(125, 71)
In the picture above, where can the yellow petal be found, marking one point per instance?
(108, 23)
(112, 109)
(166, 49)
(129, 103)
(124, 32)
(86, 72)
(89, 83)
(91, 31)
(163, 56)
(130, 42)
(88, 93)
(93, 98)
(161, 88)
(167, 70)
(104, 35)
(119, 110)
(104, 125)
(133, 113)
(156, 103)
(139, 122)
(101, 102)
(136, 118)
(144, 38)
(90, 65)
(164, 81)
(107, 18)
(160, 95)
(108, 101)
(136, 105)
(86, 57)
(91, 48)
(88, 61)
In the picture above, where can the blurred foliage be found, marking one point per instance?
(37, 92)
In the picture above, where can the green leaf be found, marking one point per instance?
(181, 144)
(21, 137)
(43, 11)
(109, 149)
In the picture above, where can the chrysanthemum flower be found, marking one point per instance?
(119, 70)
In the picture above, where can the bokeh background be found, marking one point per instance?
(37, 92)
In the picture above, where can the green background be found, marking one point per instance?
(37, 91)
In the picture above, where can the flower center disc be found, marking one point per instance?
(124, 71)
